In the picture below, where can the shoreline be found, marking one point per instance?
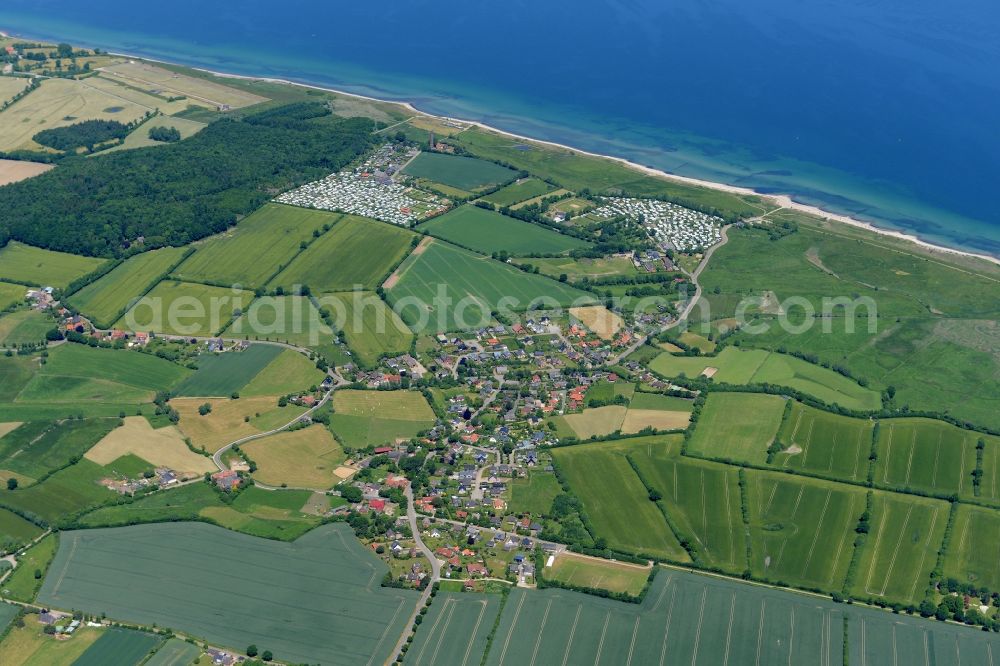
(784, 200)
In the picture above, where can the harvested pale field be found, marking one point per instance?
(10, 86)
(8, 427)
(164, 447)
(345, 472)
(585, 571)
(597, 421)
(637, 419)
(161, 81)
(58, 103)
(12, 171)
(599, 319)
(225, 423)
(305, 458)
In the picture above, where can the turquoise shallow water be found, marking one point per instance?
(878, 108)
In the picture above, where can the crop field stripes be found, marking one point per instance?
(816, 532)
(631, 646)
(541, 631)
(666, 627)
(513, 625)
(572, 633)
(791, 635)
(895, 552)
(450, 607)
(888, 456)
(795, 509)
(923, 555)
(760, 629)
(729, 628)
(701, 621)
(604, 634)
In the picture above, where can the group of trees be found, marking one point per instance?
(165, 134)
(88, 134)
(180, 192)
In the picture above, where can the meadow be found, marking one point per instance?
(24, 327)
(227, 420)
(534, 494)
(614, 498)
(30, 645)
(371, 329)
(119, 646)
(67, 492)
(488, 232)
(44, 268)
(289, 372)
(290, 319)
(185, 308)
(305, 458)
(40, 447)
(802, 530)
(522, 190)
(822, 443)
(592, 572)
(926, 455)
(455, 630)
(739, 366)
(363, 418)
(463, 173)
(900, 551)
(22, 585)
(261, 245)
(107, 299)
(15, 531)
(325, 584)
(221, 374)
(76, 373)
(175, 652)
(577, 269)
(11, 294)
(140, 137)
(737, 426)
(702, 498)
(461, 275)
(356, 252)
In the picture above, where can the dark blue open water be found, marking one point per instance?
(887, 109)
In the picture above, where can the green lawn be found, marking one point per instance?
(107, 299)
(472, 287)
(257, 248)
(488, 232)
(32, 265)
(464, 173)
(737, 426)
(356, 252)
(614, 498)
(185, 308)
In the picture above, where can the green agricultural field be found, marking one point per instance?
(475, 286)
(522, 190)
(44, 268)
(356, 252)
(175, 652)
(614, 498)
(67, 492)
(24, 327)
(185, 308)
(363, 418)
(534, 494)
(370, 328)
(15, 531)
(455, 630)
(739, 366)
(463, 173)
(822, 443)
(802, 530)
(76, 373)
(577, 269)
(737, 426)
(900, 551)
(37, 448)
(107, 299)
(7, 614)
(291, 319)
(122, 647)
(15, 373)
(488, 232)
(926, 455)
(702, 498)
(288, 373)
(257, 248)
(605, 391)
(221, 374)
(11, 294)
(326, 584)
(972, 551)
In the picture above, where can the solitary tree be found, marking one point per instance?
(11, 483)
(251, 650)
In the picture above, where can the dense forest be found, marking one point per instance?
(179, 192)
(87, 134)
